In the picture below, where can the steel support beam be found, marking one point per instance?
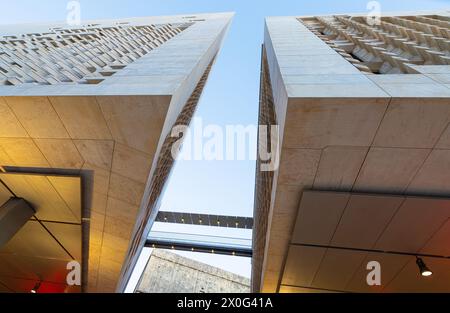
(14, 213)
(198, 247)
(205, 219)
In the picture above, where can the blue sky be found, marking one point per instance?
(231, 95)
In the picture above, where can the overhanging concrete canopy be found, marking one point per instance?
(344, 128)
(116, 130)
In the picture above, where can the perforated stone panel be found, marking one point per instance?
(388, 47)
(84, 55)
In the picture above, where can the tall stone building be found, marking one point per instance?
(85, 140)
(363, 107)
(168, 272)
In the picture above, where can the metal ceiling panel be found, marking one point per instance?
(9, 266)
(41, 249)
(4, 288)
(370, 227)
(69, 235)
(301, 265)
(37, 269)
(4, 194)
(367, 216)
(337, 268)
(33, 240)
(409, 279)
(25, 285)
(439, 244)
(414, 224)
(390, 265)
(42, 195)
(69, 189)
(318, 216)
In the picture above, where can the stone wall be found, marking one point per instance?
(167, 272)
